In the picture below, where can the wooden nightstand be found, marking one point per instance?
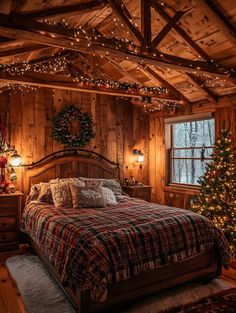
(143, 192)
(10, 213)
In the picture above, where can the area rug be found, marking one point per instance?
(41, 294)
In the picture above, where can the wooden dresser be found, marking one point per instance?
(10, 212)
(142, 192)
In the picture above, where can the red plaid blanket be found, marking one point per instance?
(91, 248)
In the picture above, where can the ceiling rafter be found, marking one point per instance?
(217, 17)
(121, 11)
(64, 38)
(151, 73)
(157, 6)
(192, 44)
(167, 28)
(65, 83)
(123, 71)
(146, 24)
(196, 81)
(21, 50)
(63, 10)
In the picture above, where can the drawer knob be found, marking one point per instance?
(4, 224)
(3, 238)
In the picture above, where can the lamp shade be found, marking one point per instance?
(140, 158)
(15, 159)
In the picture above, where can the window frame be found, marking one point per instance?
(170, 149)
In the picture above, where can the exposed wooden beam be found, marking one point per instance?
(216, 16)
(120, 10)
(166, 29)
(122, 71)
(63, 10)
(146, 25)
(62, 82)
(158, 7)
(54, 36)
(148, 71)
(197, 82)
(21, 50)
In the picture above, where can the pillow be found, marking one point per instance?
(45, 194)
(109, 196)
(112, 184)
(61, 194)
(87, 197)
(34, 193)
(73, 180)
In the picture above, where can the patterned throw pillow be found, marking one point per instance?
(112, 184)
(61, 194)
(109, 196)
(87, 197)
(34, 193)
(45, 194)
(72, 180)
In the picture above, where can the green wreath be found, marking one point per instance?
(72, 127)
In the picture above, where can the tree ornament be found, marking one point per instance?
(72, 127)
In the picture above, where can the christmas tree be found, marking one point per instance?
(217, 197)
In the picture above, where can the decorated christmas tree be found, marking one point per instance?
(217, 198)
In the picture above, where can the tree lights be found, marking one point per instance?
(217, 198)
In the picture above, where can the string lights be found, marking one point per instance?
(217, 198)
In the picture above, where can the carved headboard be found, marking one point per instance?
(69, 163)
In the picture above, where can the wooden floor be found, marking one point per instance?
(10, 299)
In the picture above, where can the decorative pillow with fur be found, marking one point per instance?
(87, 197)
(45, 194)
(72, 180)
(112, 184)
(34, 193)
(109, 196)
(61, 194)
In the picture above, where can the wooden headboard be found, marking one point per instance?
(68, 163)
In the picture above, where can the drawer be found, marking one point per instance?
(8, 202)
(8, 237)
(8, 211)
(7, 223)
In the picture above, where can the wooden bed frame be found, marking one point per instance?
(80, 162)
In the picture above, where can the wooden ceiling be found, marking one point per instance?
(186, 46)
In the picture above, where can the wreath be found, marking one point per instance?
(72, 127)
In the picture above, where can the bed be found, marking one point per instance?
(133, 248)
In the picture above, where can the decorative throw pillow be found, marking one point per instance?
(72, 180)
(109, 196)
(87, 197)
(61, 194)
(112, 184)
(45, 194)
(34, 193)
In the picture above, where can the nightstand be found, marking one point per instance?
(143, 192)
(10, 214)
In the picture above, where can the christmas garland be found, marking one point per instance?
(62, 124)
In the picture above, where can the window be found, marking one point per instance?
(191, 146)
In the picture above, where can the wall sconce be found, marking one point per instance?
(15, 159)
(139, 157)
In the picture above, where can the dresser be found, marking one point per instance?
(142, 192)
(10, 213)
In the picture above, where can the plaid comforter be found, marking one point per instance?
(91, 248)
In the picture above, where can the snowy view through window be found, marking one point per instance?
(191, 149)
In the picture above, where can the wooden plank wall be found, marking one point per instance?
(225, 114)
(119, 126)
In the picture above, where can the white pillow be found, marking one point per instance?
(109, 196)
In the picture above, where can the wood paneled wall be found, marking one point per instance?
(120, 127)
(225, 115)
